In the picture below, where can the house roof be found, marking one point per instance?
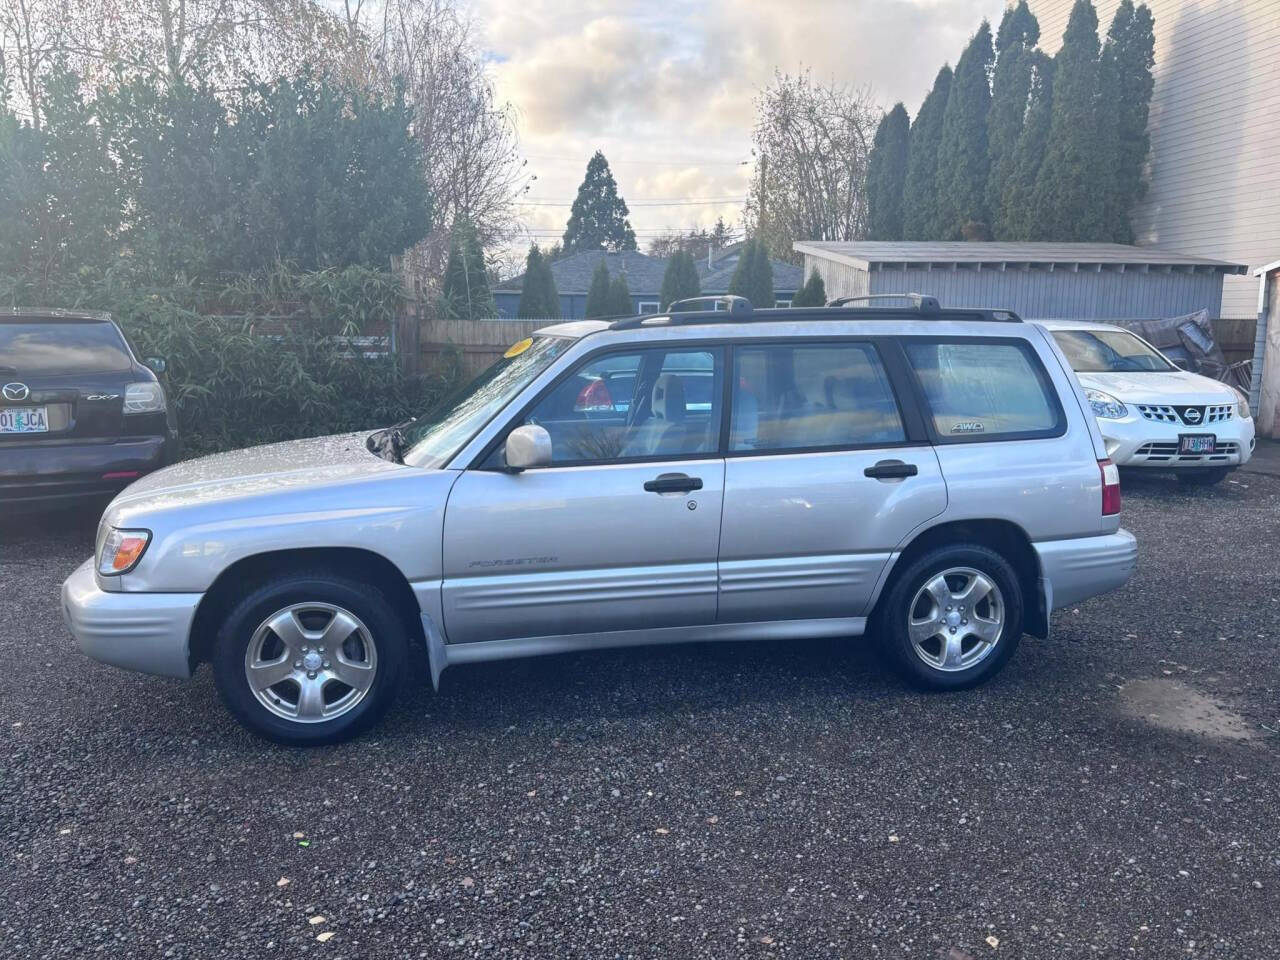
(875, 255)
(787, 277)
(573, 273)
(644, 273)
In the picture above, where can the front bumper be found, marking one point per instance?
(148, 632)
(1137, 442)
(1083, 567)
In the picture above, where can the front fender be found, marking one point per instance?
(398, 516)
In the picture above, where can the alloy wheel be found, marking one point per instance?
(956, 619)
(311, 662)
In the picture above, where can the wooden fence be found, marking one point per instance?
(478, 343)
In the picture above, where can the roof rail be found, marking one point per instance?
(922, 301)
(730, 302)
(739, 308)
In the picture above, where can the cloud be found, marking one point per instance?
(667, 90)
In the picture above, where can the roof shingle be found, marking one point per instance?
(644, 273)
(862, 254)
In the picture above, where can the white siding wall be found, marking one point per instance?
(839, 279)
(1215, 131)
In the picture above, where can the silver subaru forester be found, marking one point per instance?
(934, 477)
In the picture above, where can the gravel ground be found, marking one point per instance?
(1112, 794)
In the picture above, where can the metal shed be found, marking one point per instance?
(1096, 281)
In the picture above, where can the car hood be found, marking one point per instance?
(275, 467)
(1172, 386)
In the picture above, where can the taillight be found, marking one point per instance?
(1110, 487)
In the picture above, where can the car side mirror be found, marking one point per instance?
(528, 446)
(156, 364)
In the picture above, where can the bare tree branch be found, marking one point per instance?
(811, 143)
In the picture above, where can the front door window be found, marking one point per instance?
(638, 405)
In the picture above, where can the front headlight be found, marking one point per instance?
(121, 551)
(143, 398)
(1105, 405)
(1242, 404)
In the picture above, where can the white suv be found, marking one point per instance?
(933, 476)
(1153, 414)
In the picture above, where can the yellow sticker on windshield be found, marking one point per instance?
(519, 347)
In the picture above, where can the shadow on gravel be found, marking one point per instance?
(62, 524)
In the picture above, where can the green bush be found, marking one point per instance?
(253, 376)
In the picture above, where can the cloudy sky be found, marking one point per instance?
(665, 89)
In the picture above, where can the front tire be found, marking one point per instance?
(952, 618)
(310, 658)
(1204, 477)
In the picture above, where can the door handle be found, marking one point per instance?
(673, 483)
(891, 470)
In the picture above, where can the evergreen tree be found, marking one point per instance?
(762, 278)
(1010, 96)
(1126, 85)
(1074, 182)
(598, 293)
(887, 175)
(1016, 219)
(721, 234)
(963, 162)
(466, 293)
(812, 294)
(920, 193)
(539, 299)
(598, 219)
(680, 279)
(753, 276)
(620, 304)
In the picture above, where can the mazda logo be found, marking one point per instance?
(1191, 416)
(15, 391)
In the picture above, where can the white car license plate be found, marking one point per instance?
(24, 420)
(1197, 442)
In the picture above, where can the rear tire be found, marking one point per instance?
(1205, 477)
(301, 636)
(952, 618)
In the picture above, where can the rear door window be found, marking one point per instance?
(985, 389)
(62, 347)
(811, 397)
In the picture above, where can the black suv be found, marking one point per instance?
(80, 415)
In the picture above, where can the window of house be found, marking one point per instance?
(649, 306)
(984, 388)
(810, 396)
(782, 303)
(639, 404)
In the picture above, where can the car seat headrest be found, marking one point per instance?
(667, 400)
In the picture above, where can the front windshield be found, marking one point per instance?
(431, 440)
(1108, 351)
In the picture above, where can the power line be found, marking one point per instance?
(698, 202)
(689, 162)
(661, 232)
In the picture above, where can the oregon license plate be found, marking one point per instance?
(1196, 442)
(24, 420)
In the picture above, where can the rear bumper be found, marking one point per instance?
(1083, 567)
(1136, 442)
(148, 632)
(39, 473)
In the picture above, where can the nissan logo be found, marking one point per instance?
(15, 391)
(1191, 415)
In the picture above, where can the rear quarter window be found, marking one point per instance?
(985, 389)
